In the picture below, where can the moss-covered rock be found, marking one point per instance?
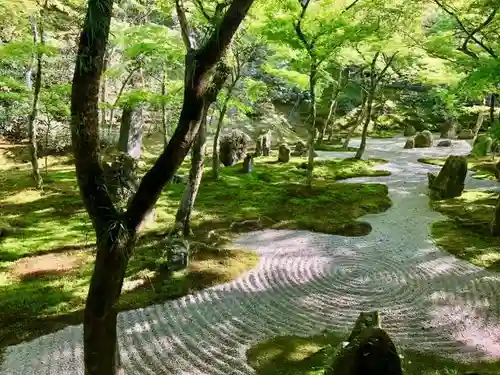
(450, 181)
(482, 145)
(423, 139)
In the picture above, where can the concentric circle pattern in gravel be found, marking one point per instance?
(307, 282)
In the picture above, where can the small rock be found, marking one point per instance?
(283, 154)
(248, 164)
(466, 134)
(410, 143)
(446, 143)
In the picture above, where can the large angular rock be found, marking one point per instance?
(482, 145)
(466, 134)
(449, 129)
(369, 350)
(450, 181)
(423, 139)
(283, 154)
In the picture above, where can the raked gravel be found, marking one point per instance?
(306, 282)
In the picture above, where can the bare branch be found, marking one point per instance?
(350, 6)
(202, 9)
(471, 34)
(387, 65)
(298, 29)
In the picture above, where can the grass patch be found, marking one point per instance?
(38, 296)
(293, 355)
(466, 233)
(483, 167)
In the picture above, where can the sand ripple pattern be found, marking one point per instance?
(307, 282)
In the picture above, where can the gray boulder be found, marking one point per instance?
(410, 143)
(423, 139)
(283, 154)
(446, 143)
(450, 181)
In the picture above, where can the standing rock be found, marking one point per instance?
(466, 134)
(283, 154)
(266, 144)
(248, 164)
(300, 149)
(446, 143)
(482, 145)
(410, 131)
(423, 139)
(449, 129)
(497, 171)
(410, 143)
(450, 181)
(258, 147)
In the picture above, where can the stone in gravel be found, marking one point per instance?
(446, 143)
(482, 145)
(497, 171)
(450, 181)
(423, 139)
(466, 134)
(410, 143)
(410, 131)
(300, 149)
(449, 129)
(283, 154)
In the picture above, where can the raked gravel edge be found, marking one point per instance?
(306, 282)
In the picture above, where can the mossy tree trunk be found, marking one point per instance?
(38, 34)
(115, 231)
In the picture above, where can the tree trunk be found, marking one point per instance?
(164, 124)
(32, 126)
(104, 92)
(369, 106)
(492, 109)
(495, 224)
(477, 127)
(333, 106)
(183, 216)
(312, 128)
(131, 131)
(116, 232)
(118, 96)
(357, 122)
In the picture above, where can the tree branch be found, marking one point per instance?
(198, 65)
(298, 29)
(202, 9)
(471, 34)
(350, 6)
(181, 14)
(387, 65)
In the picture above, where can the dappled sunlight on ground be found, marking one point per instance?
(306, 282)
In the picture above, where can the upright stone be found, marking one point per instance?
(369, 350)
(450, 181)
(300, 149)
(410, 143)
(466, 134)
(283, 154)
(266, 144)
(247, 164)
(423, 139)
(449, 129)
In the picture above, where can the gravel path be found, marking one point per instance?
(306, 282)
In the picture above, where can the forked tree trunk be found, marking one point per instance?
(116, 232)
(32, 126)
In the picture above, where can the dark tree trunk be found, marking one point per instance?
(32, 127)
(183, 216)
(364, 134)
(492, 109)
(164, 124)
(357, 122)
(116, 232)
(312, 127)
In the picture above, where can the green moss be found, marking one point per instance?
(483, 167)
(293, 355)
(55, 222)
(466, 233)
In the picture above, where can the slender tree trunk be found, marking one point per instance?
(477, 127)
(492, 109)
(312, 128)
(32, 126)
(164, 124)
(333, 106)
(116, 232)
(131, 131)
(183, 216)
(118, 96)
(369, 106)
(359, 118)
